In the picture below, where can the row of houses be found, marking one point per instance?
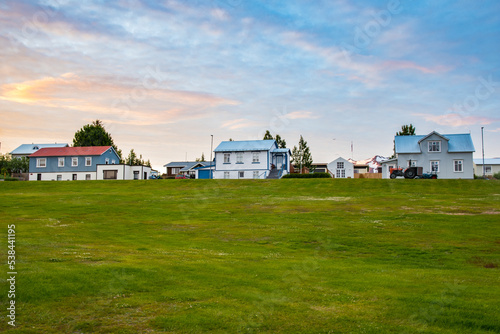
(448, 155)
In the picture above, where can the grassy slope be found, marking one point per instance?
(287, 256)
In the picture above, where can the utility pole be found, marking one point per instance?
(482, 147)
(211, 149)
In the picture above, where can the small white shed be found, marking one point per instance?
(341, 168)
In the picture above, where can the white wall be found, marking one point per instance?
(81, 176)
(348, 167)
(125, 172)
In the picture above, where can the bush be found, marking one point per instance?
(497, 176)
(11, 179)
(308, 176)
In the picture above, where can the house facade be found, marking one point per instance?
(122, 172)
(491, 166)
(25, 150)
(251, 159)
(341, 168)
(70, 163)
(187, 168)
(447, 155)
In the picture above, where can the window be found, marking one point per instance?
(255, 174)
(435, 166)
(88, 161)
(113, 161)
(434, 146)
(255, 157)
(60, 162)
(41, 162)
(107, 161)
(110, 174)
(412, 163)
(75, 177)
(239, 157)
(59, 177)
(340, 174)
(74, 162)
(227, 158)
(226, 175)
(87, 177)
(487, 169)
(242, 175)
(340, 165)
(458, 166)
(175, 170)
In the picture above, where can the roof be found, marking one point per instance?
(184, 164)
(32, 148)
(456, 142)
(280, 150)
(490, 161)
(246, 145)
(71, 151)
(192, 165)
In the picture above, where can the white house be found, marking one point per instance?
(341, 168)
(491, 166)
(251, 159)
(448, 155)
(82, 163)
(26, 150)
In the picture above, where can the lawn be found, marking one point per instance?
(256, 256)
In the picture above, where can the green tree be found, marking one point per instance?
(281, 142)
(19, 165)
(94, 135)
(301, 156)
(406, 130)
(202, 159)
(268, 135)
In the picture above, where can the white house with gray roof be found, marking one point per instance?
(491, 166)
(26, 150)
(448, 155)
(251, 159)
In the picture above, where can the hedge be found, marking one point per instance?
(308, 176)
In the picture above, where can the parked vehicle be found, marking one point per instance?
(411, 173)
(181, 176)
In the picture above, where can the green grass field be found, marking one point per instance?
(231, 256)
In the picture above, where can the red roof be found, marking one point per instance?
(70, 151)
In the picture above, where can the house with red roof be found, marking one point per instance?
(82, 163)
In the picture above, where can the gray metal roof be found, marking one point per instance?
(246, 145)
(29, 149)
(456, 143)
(490, 161)
(185, 164)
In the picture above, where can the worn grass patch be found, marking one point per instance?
(256, 256)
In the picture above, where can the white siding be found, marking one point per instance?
(66, 176)
(348, 168)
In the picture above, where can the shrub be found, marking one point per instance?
(497, 176)
(308, 176)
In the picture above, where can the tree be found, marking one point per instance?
(9, 165)
(406, 130)
(301, 156)
(131, 159)
(268, 135)
(94, 135)
(202, 159)
(281, 142)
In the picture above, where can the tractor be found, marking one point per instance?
(411, 173)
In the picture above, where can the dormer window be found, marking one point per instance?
(435, 146)
(35, 148)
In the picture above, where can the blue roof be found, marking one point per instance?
(491, 161)
(32, 148)
(185, 165)
(246, 145)
(456, 142)
(280, 150)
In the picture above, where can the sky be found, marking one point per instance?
(165, 76)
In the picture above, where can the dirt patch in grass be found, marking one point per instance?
(480, 262)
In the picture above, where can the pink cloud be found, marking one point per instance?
(456, 120)
(301, 115)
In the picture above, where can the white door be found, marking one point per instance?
(279, 161)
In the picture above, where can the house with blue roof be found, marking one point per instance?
(25, 150)
(447, 155)
(251, 159)
(489, 166)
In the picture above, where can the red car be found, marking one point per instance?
(181, 176)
